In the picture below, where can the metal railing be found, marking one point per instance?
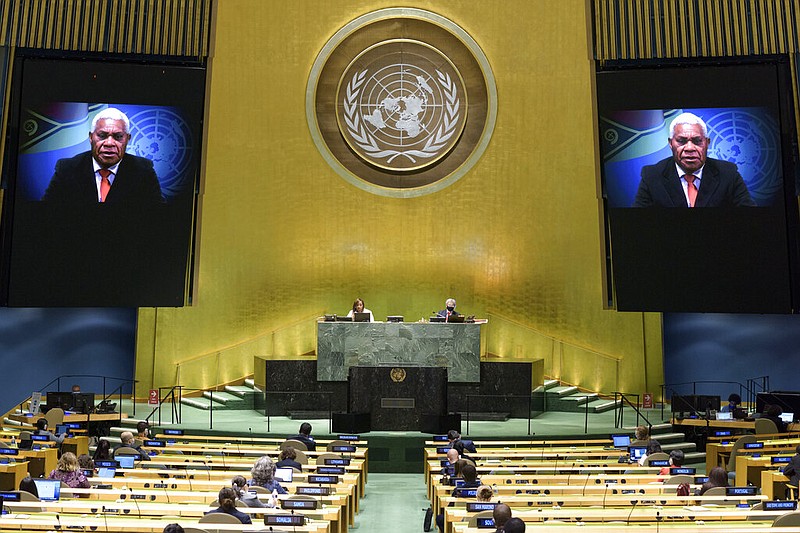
(622, 398)
(747, 392)
(175, 404)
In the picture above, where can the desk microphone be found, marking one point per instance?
(583, 492)
(105, 518)
(569, 473)
(223, 460)
(166, 492)
(605, 492)
(555, 466)
(188, 477)
(58, 519)
(135, 502)
(635, 503)
(207, 468)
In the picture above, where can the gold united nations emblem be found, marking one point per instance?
(401, 105)
(398, 375)
(401, 102)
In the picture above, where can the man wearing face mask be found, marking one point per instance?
(105, 174)
(689, 178)
(449, 310)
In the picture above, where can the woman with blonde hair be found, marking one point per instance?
(263, 475)
(69, 473)
(484, 493)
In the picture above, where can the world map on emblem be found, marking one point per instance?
(401, 106)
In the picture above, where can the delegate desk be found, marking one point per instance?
(456, 347)
(126, 523)
(12, 473)
(27, 418)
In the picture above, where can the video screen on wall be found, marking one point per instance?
(101, 177)
(698, 186)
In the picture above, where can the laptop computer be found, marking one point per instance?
(360, 317)
(724, 415)
(636, 453)
(621, 441)
(284, 474)
(49, 489)
(106, 472)
(456, 319)
(126, 461)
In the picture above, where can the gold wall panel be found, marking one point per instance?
(160, 27)
(641, 29)
(283, 238)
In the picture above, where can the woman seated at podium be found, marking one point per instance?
(358, 307)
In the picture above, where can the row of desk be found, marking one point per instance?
(177, 485)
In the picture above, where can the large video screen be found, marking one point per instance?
(698, 185)
(100, 176)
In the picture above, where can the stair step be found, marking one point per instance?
(550, 383)
(250, 382)
(560, 392)
(580, 398)
(602, 405)
(694, 458)
(687, 447)
(221, 397)
(660, 428)
(198, 403)
(240, 391)
(668, 438)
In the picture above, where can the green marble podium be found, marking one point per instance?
(456, 347)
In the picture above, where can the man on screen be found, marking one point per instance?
(105, 173)
(689, 178)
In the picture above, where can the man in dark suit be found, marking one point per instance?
(449, 309)
(305, 437)
(792, 469)
(689, 178)
(105, 173)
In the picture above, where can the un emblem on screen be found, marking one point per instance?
(401, 105)
(163, 137)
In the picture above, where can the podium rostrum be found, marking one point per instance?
(398, 398)
(455, 347)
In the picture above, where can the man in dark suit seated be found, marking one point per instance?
(105, 173)
(689, 178)
(455, 437)
(305, 437)
(449, 309)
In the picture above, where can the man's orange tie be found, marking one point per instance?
(105, 185)
(692, 188)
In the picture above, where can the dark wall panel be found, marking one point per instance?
(497, 379)
(38, 345)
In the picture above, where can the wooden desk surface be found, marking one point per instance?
(73, 417)
(148, 510)
(116, 524)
